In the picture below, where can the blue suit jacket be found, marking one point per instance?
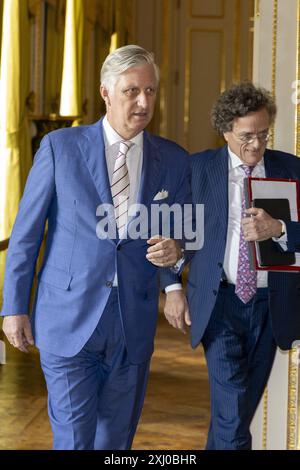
(210, 187)
(66, 184)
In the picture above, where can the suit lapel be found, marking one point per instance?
(274, 168)
(151, 174)
(150, 177)
(217, 172)
(93, 151)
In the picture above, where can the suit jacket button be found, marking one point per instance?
(109, 284)
(220, 265)
(119, 247)
(215, 292)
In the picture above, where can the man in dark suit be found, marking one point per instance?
(238, 315)
(94, 316)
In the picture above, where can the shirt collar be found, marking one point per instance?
(111, 137)
(235, 161)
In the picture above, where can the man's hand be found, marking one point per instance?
(260, 226)
(176, 310)
(163, 252)
(17, 329)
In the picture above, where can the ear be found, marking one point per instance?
(105, 95)
(225, 135)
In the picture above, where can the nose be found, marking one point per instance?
(256, 143)
(142, 100)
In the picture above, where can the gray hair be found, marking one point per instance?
(238, 101)
(123, 59)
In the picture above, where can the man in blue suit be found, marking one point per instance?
(238, 314)
(94, 315)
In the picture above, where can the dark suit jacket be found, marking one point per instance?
(210, 187)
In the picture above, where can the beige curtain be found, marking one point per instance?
(15, 148)
(71, 89)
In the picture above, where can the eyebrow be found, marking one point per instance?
(129, 86)
(139, 87)
(251, 133)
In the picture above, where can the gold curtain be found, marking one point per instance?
(15, 148)
(71, 89)
(54, 46)
(120, 9)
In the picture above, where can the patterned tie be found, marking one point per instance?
(246, 280)
(120, 187)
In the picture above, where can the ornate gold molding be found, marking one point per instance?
(297, 121)
(274, 59)
(297, 145)
(294, 370)
(292, 400)
(265, 419)
(257, 9)
(298, 401)
(274, 45)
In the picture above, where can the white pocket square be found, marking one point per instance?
(161, 195)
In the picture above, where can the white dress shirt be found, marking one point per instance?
(134, 160)
(134, 157)
(236, 177)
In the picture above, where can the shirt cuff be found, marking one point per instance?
(173, 287)
(283, 238)
(176, 268)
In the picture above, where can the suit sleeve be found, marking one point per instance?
(28, 232)
(293, 236)
(167, 276)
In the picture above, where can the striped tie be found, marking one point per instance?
(120, 187)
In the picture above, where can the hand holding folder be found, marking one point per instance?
(279, 198)
(269, 252)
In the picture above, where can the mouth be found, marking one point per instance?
(253, 155)
(141, 115)
(253, 152)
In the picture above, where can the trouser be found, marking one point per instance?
(239, 349)
(95, 398)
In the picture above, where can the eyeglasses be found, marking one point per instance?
(250, 138)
